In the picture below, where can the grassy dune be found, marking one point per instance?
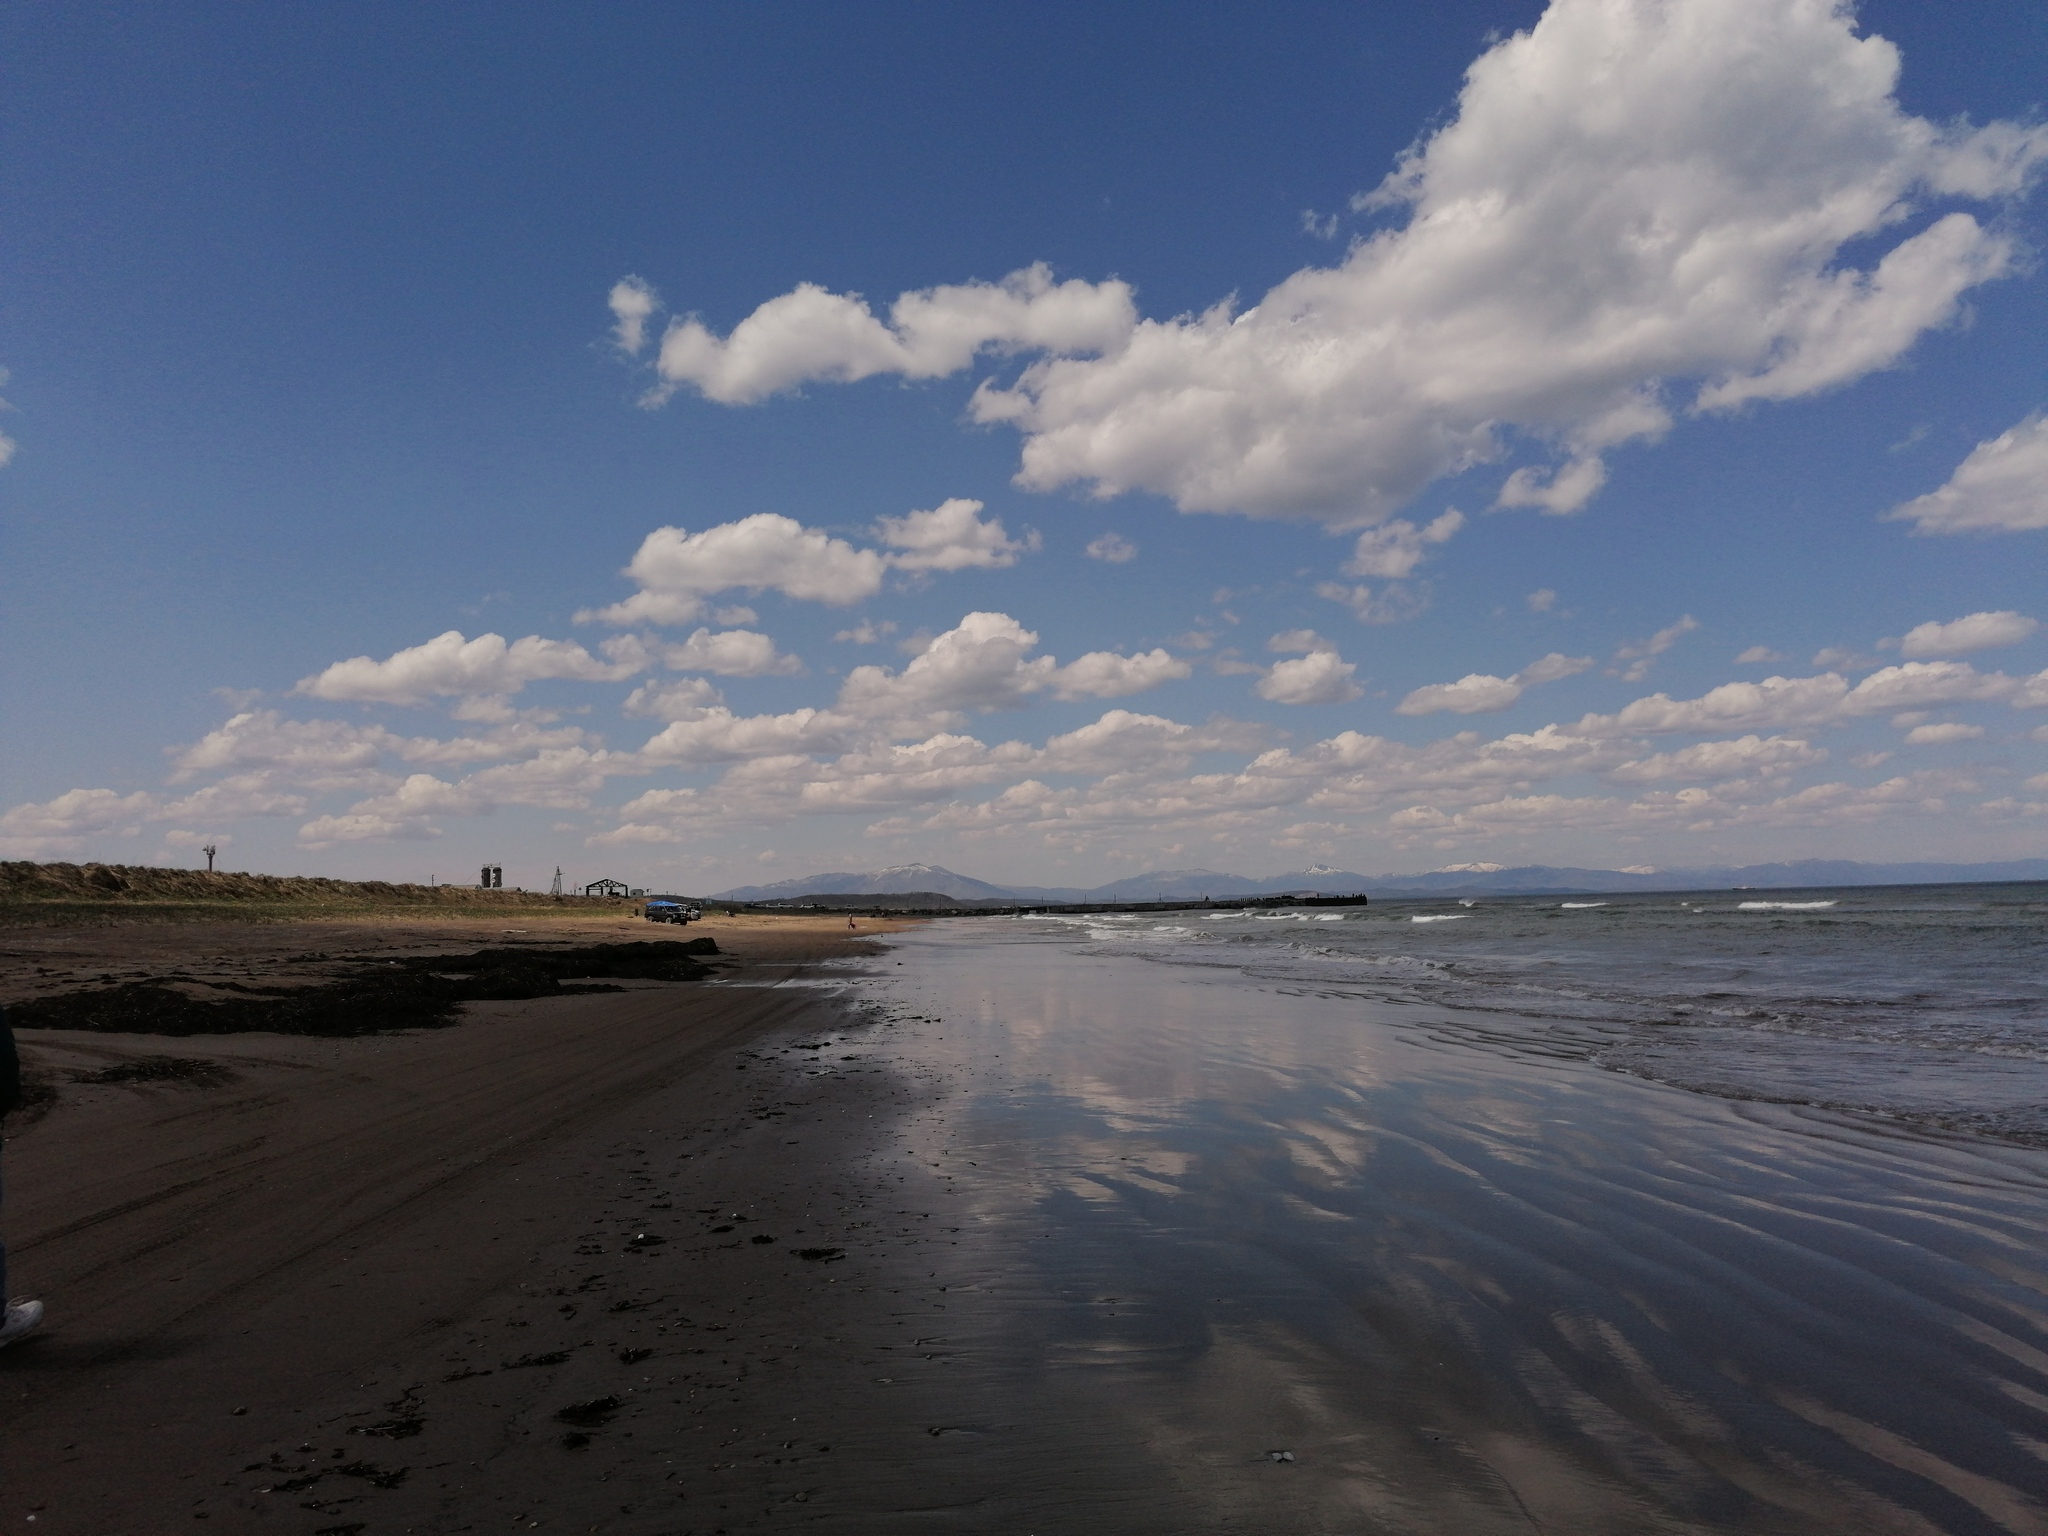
(103, 893)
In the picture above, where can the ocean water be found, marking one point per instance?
(1925, 1002)
(1645, 1215)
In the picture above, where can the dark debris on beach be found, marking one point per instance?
(382, 995)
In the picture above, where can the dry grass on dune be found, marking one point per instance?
(98, 893)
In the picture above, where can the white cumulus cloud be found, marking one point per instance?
(1551, 668)
(1320, 677)
(677, 570)
(450, 664)
(1475, 693)
(2002, 487)
(1780, 702)
(1479, 693)
(950, 537)
(810, 333)
(731, 653)
(1111, 548)
(1394, 549)
(1942, 735)
(1974, 632)
(633, 303)
(1638, 205)
(1108, 675)
(1773, 756)
(1640, 653)
(60, 825)
(673, 700)
(984, 662)
(980, 663)
(714, 734)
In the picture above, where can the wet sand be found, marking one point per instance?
(1462, 1281)
(238, 1263)
(42, 961)
(1094, 1245)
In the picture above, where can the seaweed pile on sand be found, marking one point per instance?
(379, 995)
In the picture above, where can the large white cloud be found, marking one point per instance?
(1635, 200)
(1973, 632)
(2002, 487)
(449, 664)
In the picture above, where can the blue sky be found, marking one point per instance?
(1478, 405)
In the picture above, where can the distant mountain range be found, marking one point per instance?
(1457, 880)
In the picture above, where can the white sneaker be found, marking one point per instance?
(22, 1318)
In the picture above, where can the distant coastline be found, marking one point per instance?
(1194, 885)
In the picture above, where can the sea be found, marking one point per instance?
(1702, 1212)
(1924, 1002)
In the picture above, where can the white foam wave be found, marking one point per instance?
(1580, 906)
(1440, 917)
(1782, 906)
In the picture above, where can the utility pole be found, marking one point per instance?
(209, 850)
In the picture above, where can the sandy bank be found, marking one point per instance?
(272, 1244)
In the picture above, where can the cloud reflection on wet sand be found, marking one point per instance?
(1466, 1287)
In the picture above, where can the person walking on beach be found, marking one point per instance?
(21, 1318)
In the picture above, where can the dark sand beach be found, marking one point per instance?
(980, 1230)
(245, 1251)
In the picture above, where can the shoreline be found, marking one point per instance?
(233, 1259)
(985, 1232)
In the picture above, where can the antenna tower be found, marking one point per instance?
(556, 888)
